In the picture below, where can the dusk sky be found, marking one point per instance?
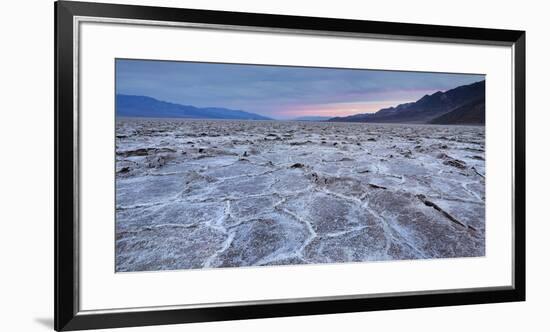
(279, 92)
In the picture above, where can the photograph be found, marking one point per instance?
(227, 165)
(222, 165)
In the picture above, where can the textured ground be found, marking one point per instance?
(199, 194)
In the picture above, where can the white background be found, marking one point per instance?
(26, 166)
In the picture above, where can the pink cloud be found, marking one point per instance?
(338, 109)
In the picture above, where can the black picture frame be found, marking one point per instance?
(67, 314)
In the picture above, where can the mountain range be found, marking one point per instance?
(312, 118)
(462, 105)
(143, 106)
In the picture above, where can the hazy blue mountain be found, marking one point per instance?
(142, 106)
(312, 118)
(431, 107)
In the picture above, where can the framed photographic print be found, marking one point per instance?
(219, 165)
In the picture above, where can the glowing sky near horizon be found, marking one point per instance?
(280, 92)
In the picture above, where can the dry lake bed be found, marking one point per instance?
(203, 194)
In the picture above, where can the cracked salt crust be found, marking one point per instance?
(206, 194)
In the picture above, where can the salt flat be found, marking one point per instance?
(204, 193)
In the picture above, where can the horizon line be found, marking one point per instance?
(283, 118)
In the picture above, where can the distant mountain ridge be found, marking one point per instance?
(466, 101)
(143, 106)
(312, 118)
(471, 113)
